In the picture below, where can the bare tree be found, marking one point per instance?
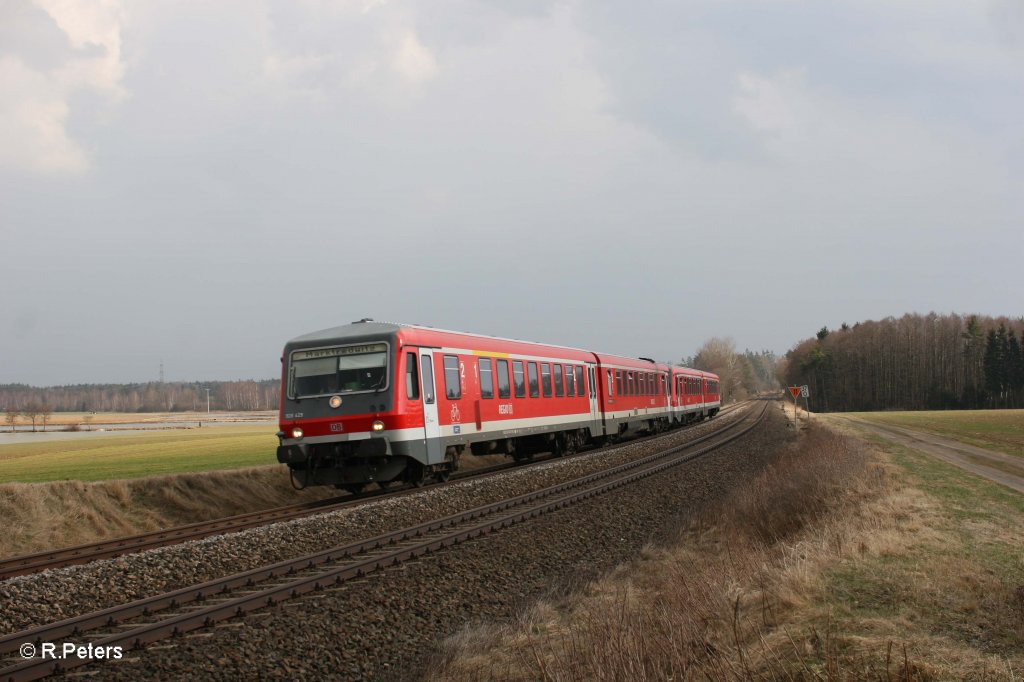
(45, 412)
(719, 356)
(12, 416)
(31, 412)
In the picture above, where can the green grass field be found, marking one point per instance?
(1000, 430)
(144, 454)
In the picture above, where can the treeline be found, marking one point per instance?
(149, 397)
(740, 375)
(916, 362)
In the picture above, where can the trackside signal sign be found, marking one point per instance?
(795, 390)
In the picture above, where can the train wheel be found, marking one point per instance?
(443, 475)
(416, 474)
(571, 443)
(354, 488)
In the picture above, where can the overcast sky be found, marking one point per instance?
(198, 182)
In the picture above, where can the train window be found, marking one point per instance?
(641, 383)
(504, 391)
(531, 370)
(348, 369)
(610, 391)
(412, 378)
(559, 391)
(545, 378)
(650, 383)
(631, 383)
(486, 378)
(428, 379)
(579, 381)
(452, 389)
(518, 380)
(618, 382)
(570, 382)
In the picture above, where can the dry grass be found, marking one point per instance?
(829, 566)
(41, 516)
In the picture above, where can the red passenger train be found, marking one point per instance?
(380, 402)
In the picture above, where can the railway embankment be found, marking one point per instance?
(842, 559)
(42, 516)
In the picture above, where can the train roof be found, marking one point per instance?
(362, 329)
(369, 327)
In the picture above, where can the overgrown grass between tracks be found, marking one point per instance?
(838, 562)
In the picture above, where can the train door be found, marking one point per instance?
(595, 409)
(431, 424)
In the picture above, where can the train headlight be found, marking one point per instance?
(335, 401)
(378, 425)
(296, 432)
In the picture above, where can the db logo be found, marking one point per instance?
(337, 428)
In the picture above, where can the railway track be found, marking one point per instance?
(149, 620)
(109, 549)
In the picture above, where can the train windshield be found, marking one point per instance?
(349, 369)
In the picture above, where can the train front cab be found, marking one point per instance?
(355, 411)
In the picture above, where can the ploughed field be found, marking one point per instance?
(388, 624)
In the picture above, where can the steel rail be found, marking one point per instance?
(130, 544)
(529, 506)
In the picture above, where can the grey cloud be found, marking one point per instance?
(576, 173)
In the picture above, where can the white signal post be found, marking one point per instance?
(806, 393)
(795, 391)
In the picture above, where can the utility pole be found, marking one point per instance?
(207, 401)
